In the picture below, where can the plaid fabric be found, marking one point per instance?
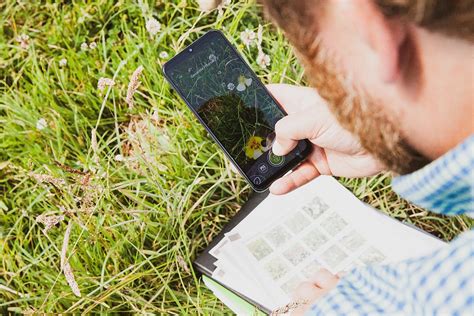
(445, 186)
(441, 283)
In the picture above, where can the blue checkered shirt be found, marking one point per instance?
(441, 283)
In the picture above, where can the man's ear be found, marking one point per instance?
(384, 37)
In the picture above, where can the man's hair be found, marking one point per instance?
(450, 17)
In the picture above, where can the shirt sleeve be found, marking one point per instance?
(441, 283)
(445, 186)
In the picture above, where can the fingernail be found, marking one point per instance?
(277, 149)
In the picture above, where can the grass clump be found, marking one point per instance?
(135, 181)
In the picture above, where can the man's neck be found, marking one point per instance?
(441, 110)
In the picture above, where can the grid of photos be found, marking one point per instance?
(309, 238)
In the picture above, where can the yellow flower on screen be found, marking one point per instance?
(254, 147)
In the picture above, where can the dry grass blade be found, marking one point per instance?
(182, 264)
(69, 169)
(44, 178)
(65, 244)
(49, 221)
(7, 289)
(65, 266)
(94, 147)
(133, 86)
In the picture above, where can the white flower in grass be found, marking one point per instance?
(153, 26)
(93, 45)
(164, 55)
(155, 117)
(263, 60)
(231, 86)
(248, 37)
(23, 40)
(220, 8)
(84, 46)
(208, 5)
(41, 124)
(243, 83)
(105, 82)
(118, 158)
(63, 62)
(23, 37)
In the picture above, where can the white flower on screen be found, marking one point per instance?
(231, 86)
(153, 26)
(63, 62)
(164, 55)
(84, 46)
(41, 124)
(212, 58)
(243, 83)
(93, 45)
(263, 60)
(248, 37)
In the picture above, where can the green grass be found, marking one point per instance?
(138, 223)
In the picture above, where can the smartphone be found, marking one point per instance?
(234, 106)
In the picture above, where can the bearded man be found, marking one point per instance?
(394, 91)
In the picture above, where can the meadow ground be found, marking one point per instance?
(137, 188)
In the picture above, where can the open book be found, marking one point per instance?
(285, 239)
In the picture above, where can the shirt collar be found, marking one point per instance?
(444, 186)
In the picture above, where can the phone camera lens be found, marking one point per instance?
(190, 50)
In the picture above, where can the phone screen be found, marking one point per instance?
(234, 105)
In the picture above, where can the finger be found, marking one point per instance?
(298, 177)
(305, 294)
(293, 128)
(285, 95)
(282, 149)
(294, 98)
(306, 291)
(324, 279)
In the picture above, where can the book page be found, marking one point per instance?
(286, 239)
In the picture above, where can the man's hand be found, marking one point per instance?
(336, 151)
(313, 289)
